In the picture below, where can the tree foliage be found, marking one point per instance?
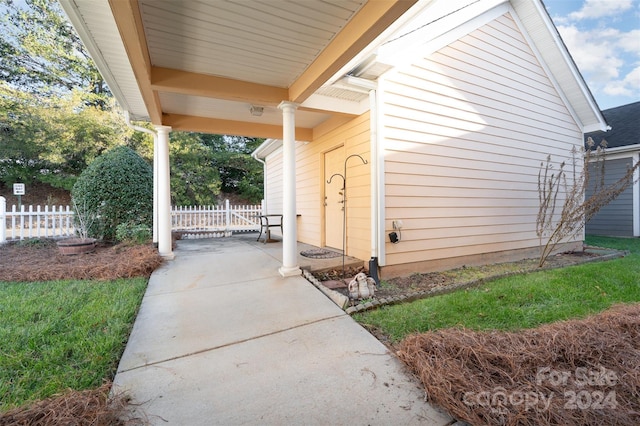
(41, 52)
(204, 165)
(57, 116)
(53, 140)
(117, 188)
(193, 179)
(56, 112)
(239, 173)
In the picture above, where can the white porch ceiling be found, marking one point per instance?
(201, 64)
(267, 42)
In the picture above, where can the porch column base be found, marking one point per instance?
(290, 271)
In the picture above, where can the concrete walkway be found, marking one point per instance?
(222, 339)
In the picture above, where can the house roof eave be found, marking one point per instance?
(266, 148)
(534, 16)
(130, 100)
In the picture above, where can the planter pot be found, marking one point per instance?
(72, 246)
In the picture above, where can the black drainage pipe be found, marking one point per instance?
(373, 270)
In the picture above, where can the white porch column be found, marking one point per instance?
(289, 229)
(155, 189)
(164, 193)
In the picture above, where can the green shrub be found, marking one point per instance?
(116, 188)
(131, 233)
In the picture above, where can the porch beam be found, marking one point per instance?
(196, 84)
(230, 127)
(289, 266)
(370, 21)
(164, 192)
(126, 13)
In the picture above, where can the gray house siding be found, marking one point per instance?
(616, 218)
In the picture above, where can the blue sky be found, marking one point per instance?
(603, 37)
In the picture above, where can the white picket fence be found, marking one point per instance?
(215, 221)
(190, 221)
(35, 222)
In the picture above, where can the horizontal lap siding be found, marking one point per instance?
(616, 218)
(273, 182)
(273, 185)
(355, 136)
(465, 131)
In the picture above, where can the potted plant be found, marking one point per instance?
(82, 243)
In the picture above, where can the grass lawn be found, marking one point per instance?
(57, 335)
(520, 301)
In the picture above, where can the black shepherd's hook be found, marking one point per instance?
(344, 203)
(338, 174)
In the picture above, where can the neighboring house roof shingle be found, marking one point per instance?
(625, 126)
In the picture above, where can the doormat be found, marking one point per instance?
(320, 254)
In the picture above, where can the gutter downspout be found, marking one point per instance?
(371, 87)
(375, 193)
(127, 120)
(254, 155)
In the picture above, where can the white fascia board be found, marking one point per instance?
(572, 65)
(384, 36)
(361, 84)
(627, 148)
(545, 19)
(75, 16)
(328, 103)
(547, 70)
(597, 127)
(620, 152)
(267, 147)
(441, 27)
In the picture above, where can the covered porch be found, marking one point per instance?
(276, 69)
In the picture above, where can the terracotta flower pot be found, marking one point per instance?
(71, 246)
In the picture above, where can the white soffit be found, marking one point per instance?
(266, 42)
(338, 101)
(268, 147)
(439, 24)
(93, 20)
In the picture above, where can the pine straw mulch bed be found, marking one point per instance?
(39, 260)
(92, 407)
(577, 372)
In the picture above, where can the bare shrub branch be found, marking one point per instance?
(553, 227)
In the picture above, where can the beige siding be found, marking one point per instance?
(354, 136)
(465, 131)
(273, 184)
